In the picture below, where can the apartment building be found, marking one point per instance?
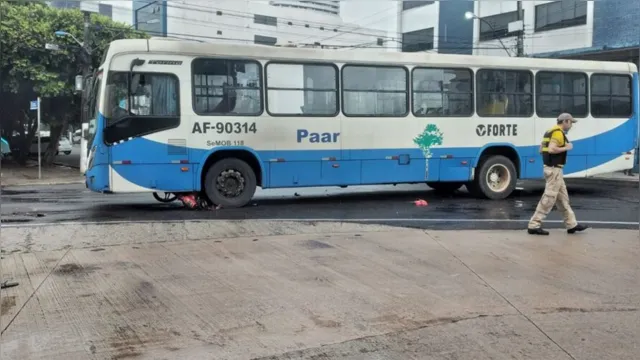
(304, 23)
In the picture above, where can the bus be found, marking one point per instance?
(179, 116)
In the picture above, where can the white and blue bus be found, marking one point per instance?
(178, 116)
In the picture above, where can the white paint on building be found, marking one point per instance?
(573, 37)
(251, 21)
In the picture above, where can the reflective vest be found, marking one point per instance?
(553, 160)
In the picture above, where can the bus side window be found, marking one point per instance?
(504, 93)
(226, 87)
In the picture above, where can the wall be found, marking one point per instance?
(624, 31)
(423, 17)
(233, 21)
(534, 42)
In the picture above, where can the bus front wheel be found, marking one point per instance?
(230, 183)
(495, 178)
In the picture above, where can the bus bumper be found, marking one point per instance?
(97, 178)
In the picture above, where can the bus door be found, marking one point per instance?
(146, 150)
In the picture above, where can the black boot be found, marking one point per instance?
(538, 231)
(577, 228)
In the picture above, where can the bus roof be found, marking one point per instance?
(370, 56)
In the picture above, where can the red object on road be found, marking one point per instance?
(189, 201)
(421, 202)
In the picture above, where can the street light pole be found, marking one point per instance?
(520, 40)
(84, 112)
(469, 15)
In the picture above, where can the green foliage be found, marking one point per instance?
(431, 136)
(28, 70)
(27, 27)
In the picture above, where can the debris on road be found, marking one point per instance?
(189, 201)
(195, 202)
(421, 202)
(7, 284)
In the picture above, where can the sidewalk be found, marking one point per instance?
(618, 176)
(14, 175)
(391, 293)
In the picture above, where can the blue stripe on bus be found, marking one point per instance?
(359, 166)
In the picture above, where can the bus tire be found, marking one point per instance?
(230, 183)
(445, 187)
(495, 179)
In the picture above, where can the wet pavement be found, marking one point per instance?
(609, 204)
(328, 291)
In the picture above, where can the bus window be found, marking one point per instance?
(442, 92)
(153, 104)
(559, 92)
(504, 93)
(151, 95)
(94, 107)
(375, 91)
(610, 96)
(227, 87)
(296, 89)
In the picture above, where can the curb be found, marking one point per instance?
(45, 183)
(66, 165)
(630, 181)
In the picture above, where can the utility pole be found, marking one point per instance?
(521, 32)
(84, 110)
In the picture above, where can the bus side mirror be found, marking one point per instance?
(107, 101)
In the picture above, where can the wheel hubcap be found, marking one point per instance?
(498, 178)
(230, 183)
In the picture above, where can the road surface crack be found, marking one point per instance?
(500, 295)
(34, 291)
(421, 325)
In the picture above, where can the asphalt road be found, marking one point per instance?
(600, 203)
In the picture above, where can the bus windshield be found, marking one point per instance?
(139, 103)
(150, 94)
(93, 108)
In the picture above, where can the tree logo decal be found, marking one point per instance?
(431, 136)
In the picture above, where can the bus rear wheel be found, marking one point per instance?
(445, 187)
(230, 183)
(495, 178)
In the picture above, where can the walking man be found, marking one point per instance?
(554, 148)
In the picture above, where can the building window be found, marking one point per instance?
(264, 40)
(302, 89)
(504, 93)
(561, 14)
(227, 87)
(406, 5)
(442, 92)
(419, 40)
(497, 26)
(265, 20)
(374, 91)
(558, 92)
(149, 18)
(106, 10)
(611, 96)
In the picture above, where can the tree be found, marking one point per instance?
(431, 136)
(29, 70)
